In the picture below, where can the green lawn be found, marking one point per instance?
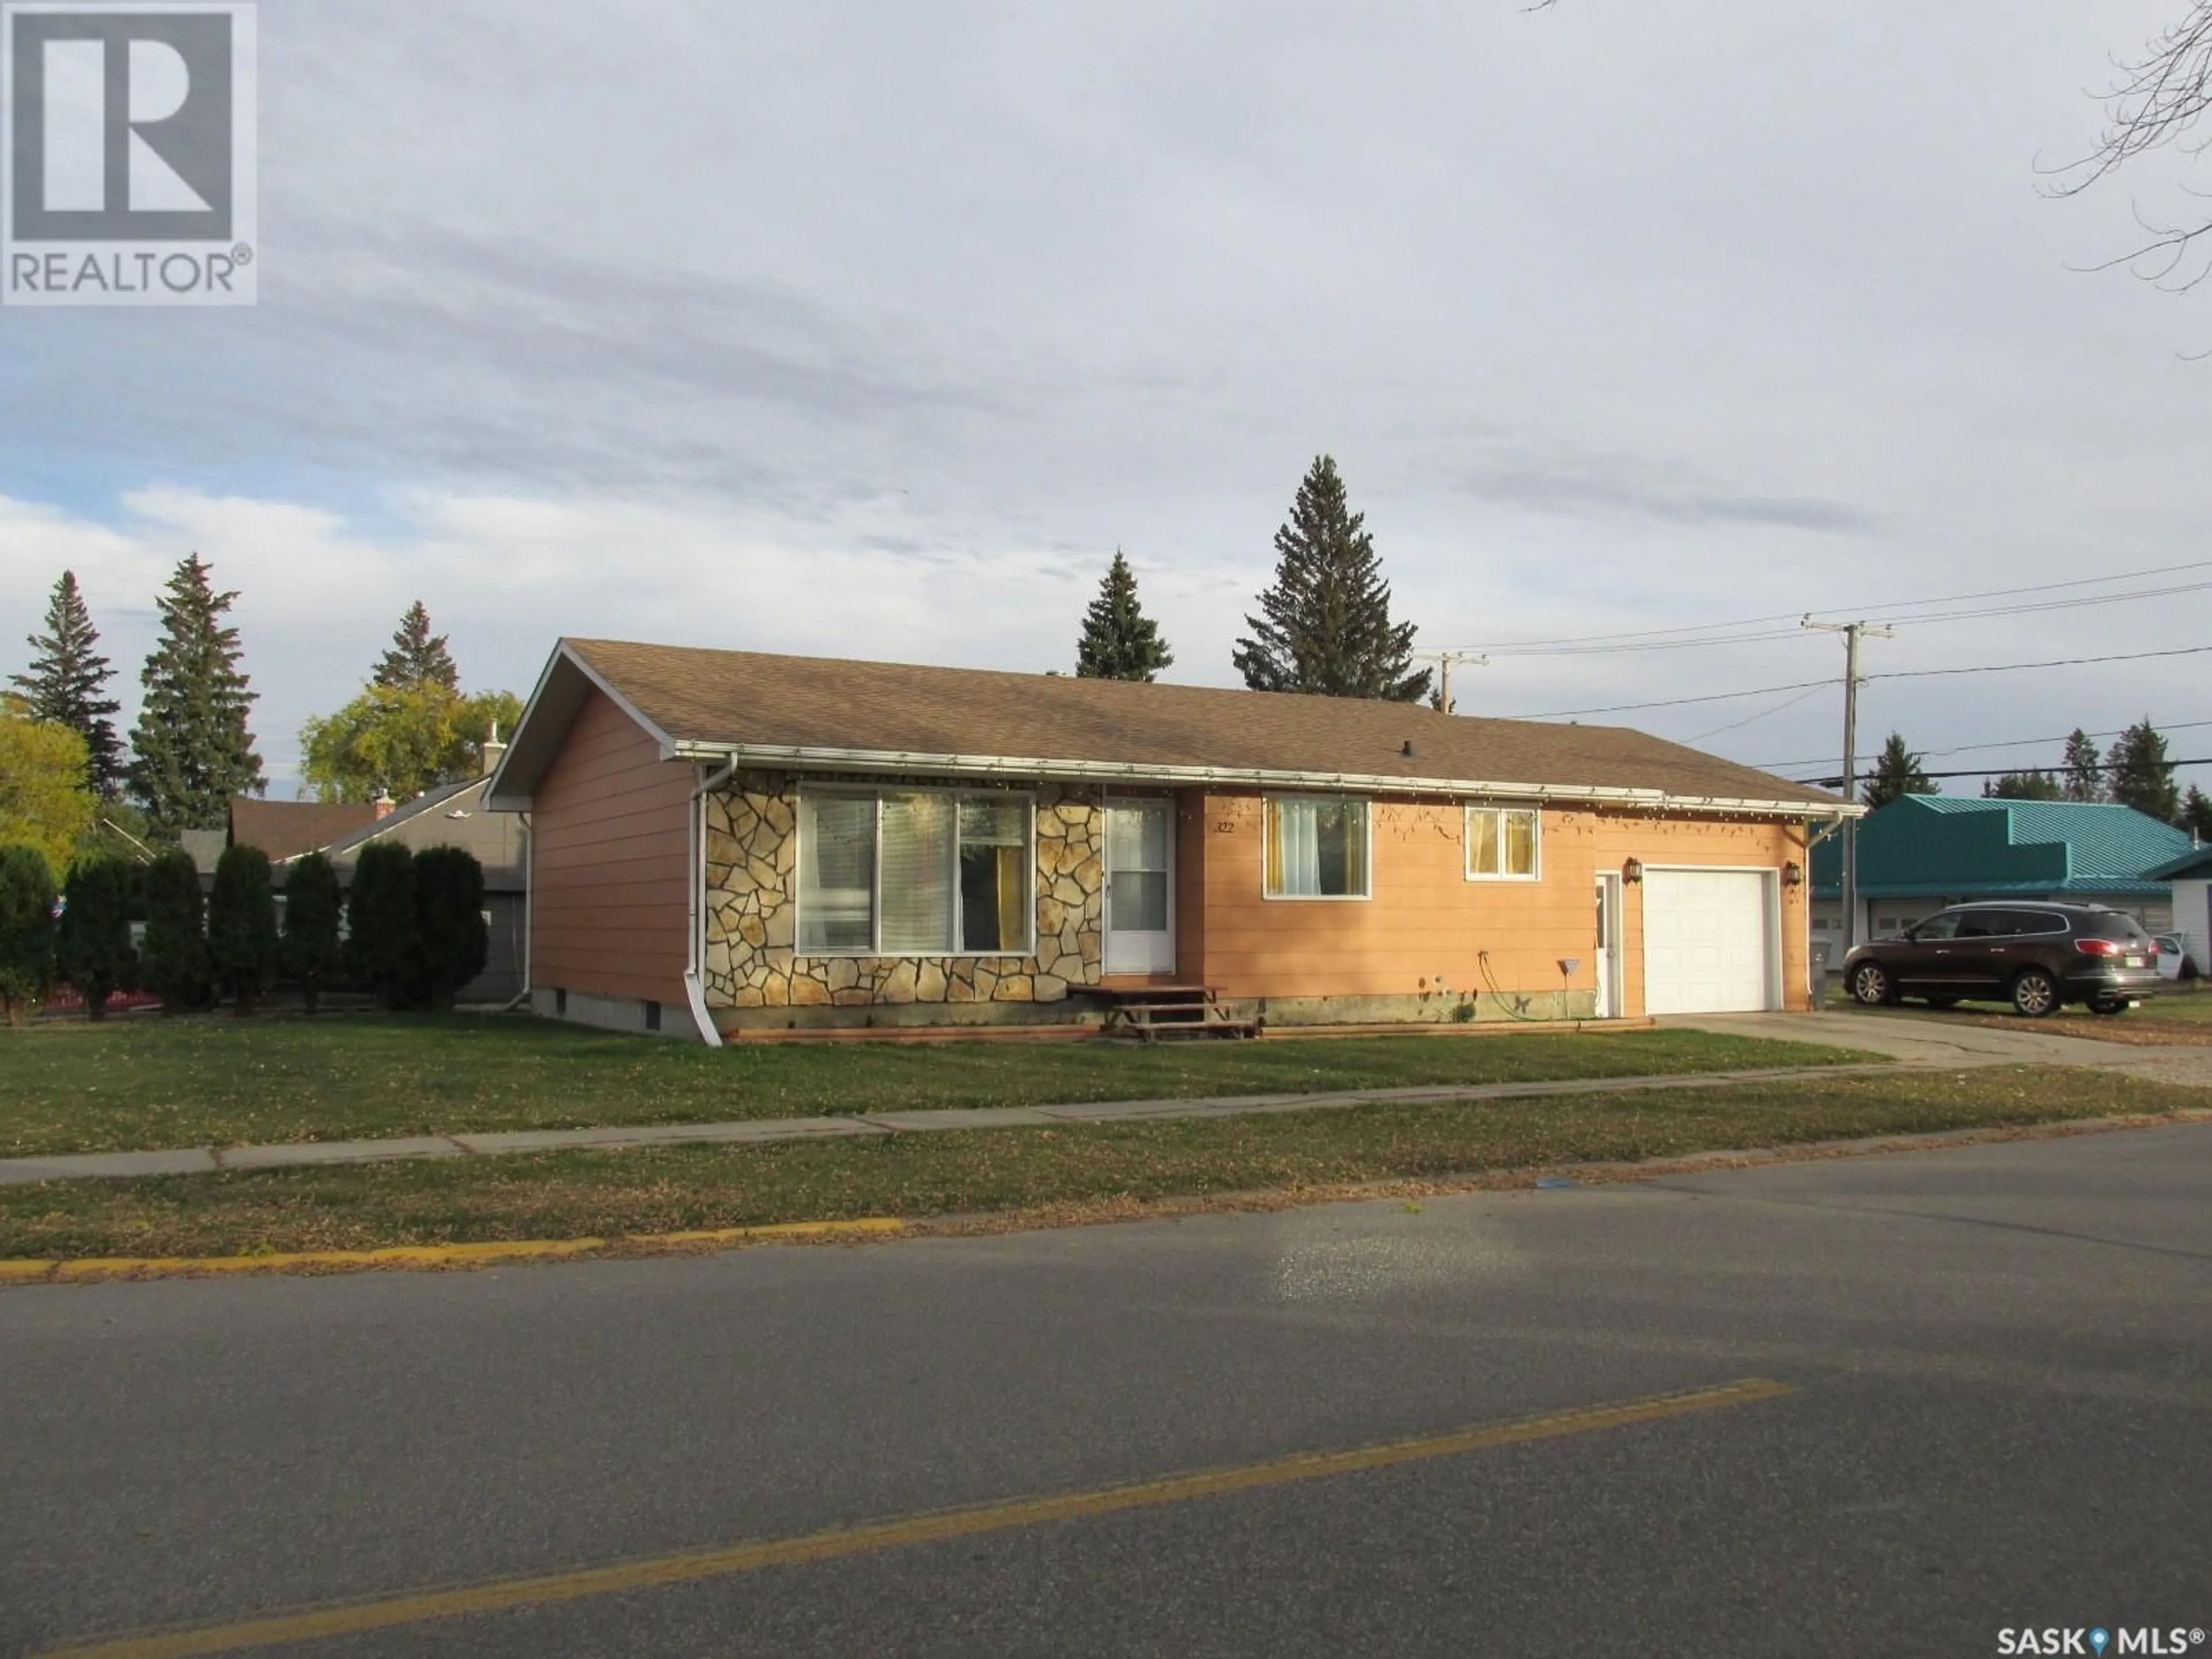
(149, 1082)
(1088, 1170)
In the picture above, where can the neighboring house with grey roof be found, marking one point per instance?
(454, 815)
(724, 840)
(1921, 853)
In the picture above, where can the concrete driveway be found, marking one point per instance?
(1903, 1404)
(1931, 1039)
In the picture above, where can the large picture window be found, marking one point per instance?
(1503, 843)
(836, 872)
(1316, 846)
(915, 872)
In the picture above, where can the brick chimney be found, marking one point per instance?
(493, 750)
(384, 803)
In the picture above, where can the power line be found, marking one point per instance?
(2055, 662)
(1975, 747)
(1650, 645)
(1787, 702)
(2077, 602)
(1998, 771)
(1893, 674)
(1532, 646)
(1673, 702)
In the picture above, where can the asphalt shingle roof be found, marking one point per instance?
(709, 697)
(284, 829)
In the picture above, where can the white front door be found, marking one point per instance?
(1140, 886)
(1609, 947)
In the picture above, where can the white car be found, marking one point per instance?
(2174, 958)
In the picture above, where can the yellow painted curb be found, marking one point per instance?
(873, 1224)
(417, 1255)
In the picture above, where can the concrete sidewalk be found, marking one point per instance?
(1908, 1045)
(207, 1160)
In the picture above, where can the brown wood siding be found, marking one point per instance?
(1190, 827)
(610, 888)
(1425, 923)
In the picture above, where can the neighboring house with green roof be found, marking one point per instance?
(1921, 853)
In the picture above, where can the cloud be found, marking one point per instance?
(1622, 488)
(839, 329)
(508, 575)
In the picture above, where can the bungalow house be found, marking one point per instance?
(724, 840)
(1920, 852)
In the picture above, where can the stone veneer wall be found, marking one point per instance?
(752, 883)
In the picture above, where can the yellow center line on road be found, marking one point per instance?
(497, 1595)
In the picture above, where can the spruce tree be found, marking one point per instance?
(1325, 624)
(2142, 777)
(1119, 641)
(2025, 786)
(91, 943)
(193, 749)
(2085, 768)
(67, 682)
(312, 908)
(242, 924)
(1897, 772)
(417, 657)
(2196, 813)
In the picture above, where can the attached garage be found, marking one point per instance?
(1709, 942)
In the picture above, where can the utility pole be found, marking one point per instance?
(1444, 660)
(1852, 632)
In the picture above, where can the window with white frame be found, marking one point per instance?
(914, 873)
(1503, 843)
(1316, 846)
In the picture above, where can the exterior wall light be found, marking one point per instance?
(1633, 871)
(1792, 874)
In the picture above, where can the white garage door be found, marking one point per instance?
(1705, 948)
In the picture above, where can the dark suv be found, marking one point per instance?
(2035, 957)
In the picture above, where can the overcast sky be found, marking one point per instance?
(872, 331)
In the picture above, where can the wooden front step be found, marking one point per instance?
(1174, 1011)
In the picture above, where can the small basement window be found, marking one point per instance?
(1503, 843)
(1317, 847)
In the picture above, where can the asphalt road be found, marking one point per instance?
(1999, 1415)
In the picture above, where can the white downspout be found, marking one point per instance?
(695, 990)
(529, 909)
